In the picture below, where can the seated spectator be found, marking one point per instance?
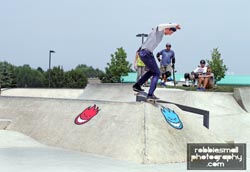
(206, 81)
(194, 75)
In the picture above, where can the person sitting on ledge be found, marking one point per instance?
(206, 81)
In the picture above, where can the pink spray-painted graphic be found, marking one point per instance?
(87, 115)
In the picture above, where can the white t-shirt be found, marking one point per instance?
(201, 70)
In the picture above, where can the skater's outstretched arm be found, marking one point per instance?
(168, 26)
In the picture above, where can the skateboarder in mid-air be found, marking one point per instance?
(146, 55)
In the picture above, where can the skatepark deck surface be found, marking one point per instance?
(123, 132)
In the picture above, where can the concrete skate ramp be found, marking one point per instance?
(19, 153)
(109, 92)
(43, 92)
(10, 139)
(217, 103)
(226, 117)
(134, 131)
(242, 96)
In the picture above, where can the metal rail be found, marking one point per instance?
(205, 113)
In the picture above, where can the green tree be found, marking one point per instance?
(7, 77)
(56, 77)
(25, 76)
(117, 67)
(75, 79)
(40, 70)
(89, 71)
(216, 63)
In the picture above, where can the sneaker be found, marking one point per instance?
(169, 79)
(137, 88)
(152, 97)
(163, 84)
(185, 85)
(203, 89)
(198, 89)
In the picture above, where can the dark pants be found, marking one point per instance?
(148, 59)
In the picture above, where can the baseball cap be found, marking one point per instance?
(168, 45)
(202, 62)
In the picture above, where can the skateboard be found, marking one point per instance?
(174, 75)
(170, 115)
(142, 96)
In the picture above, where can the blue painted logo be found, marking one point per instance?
(172, 118)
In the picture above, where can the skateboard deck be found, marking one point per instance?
(174, 75)
(170, 116)
(142, 96)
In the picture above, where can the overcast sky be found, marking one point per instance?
(87, 32)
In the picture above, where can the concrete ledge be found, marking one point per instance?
(4, 123)
(242, 96)
(134, 131)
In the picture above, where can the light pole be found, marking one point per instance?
(50, 51)
(142, 35)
